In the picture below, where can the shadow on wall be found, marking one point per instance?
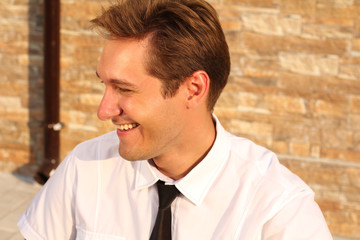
(35, 87)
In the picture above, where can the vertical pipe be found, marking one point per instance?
(51, 90)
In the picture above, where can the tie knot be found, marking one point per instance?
(167, 194)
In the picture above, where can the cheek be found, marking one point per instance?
(154, 112)
(128, 106)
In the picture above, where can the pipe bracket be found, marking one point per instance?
(56, 126)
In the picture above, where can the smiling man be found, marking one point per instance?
(170, 170)
(151, 125)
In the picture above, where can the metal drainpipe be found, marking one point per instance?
(51, 90)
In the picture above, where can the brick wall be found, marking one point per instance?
(21, 83)
(81, 90)
(294, 88)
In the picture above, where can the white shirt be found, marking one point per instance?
(238, 191)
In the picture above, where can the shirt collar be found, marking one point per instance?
(144, 176)
(196, 184)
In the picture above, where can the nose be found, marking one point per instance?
(109, 107)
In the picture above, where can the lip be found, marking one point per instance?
(125, 129)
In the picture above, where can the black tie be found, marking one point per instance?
(162, 228)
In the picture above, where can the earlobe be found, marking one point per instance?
(197, 89)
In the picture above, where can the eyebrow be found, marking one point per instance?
(122, 82)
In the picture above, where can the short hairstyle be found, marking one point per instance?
(184, 36)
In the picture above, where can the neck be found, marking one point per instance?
(196, 144)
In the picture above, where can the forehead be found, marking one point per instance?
(122, 56)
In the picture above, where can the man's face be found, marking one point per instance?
(148, 125)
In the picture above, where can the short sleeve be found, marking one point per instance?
(51, 213)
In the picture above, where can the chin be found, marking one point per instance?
(132, 156)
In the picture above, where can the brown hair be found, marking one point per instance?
(185, 36)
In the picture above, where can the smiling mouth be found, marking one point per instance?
(126, 127)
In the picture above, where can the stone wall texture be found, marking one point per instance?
(294, 88)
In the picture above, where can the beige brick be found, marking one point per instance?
(90, 99)
(341, 154)
(228, 11)
(274, 44)
(351, 72)
(234, 99)
(352, 177)
(354, 104)
(79, 86)
(356, 44)
(333, 9)
(335, 3)
(337, 138)
(329, 22)
(261, 64)
(356, 141)
(16, 115)
(67, 143)
(14, 152)
(262, 23)
(231, 25)
(291, 24)
(280, 147)
(104, 126)
(357, 27)
(329, 205)
(82, 40)
(300, 149)
(86, 56)
(306, 7)
(12, 88)
(251, 128)
(234, 39)
(226, 112)
(343, 223)
(354, 121)
(350, 60)
(316, 173)
(315, 150)
(255, 3)
(328, 108)
(285, 104)
(288, 132)
(307, 64)
(327, 31)
(263, 67)
(302, 83)
(10, 102)
(228, 99)
(307, 85)
(71, 116)
(88, 11)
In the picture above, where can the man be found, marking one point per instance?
(164, 65)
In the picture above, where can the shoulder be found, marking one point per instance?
(265, 170)
(102, 147)
(251, 152)
(271, 186)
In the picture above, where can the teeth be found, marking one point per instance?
(126, 126)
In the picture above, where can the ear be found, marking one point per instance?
(197, 89)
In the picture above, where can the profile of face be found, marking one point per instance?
(148, 125)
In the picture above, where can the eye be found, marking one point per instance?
(123, 90)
